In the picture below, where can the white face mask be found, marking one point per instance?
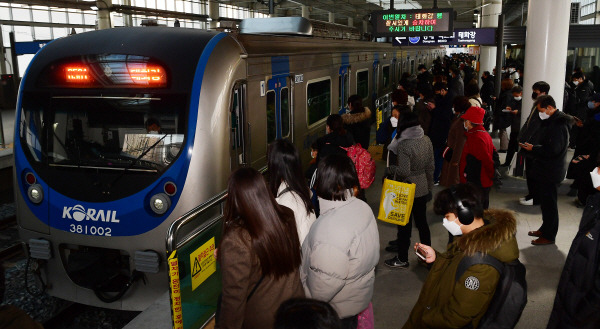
(595, 178)
(576, 82)
(543, 115)
(518, 98)
(394, 122)
(465, 126)
(452, 227)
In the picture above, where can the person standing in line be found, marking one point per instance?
(529, 134)
(582, 93)
(456, 84)
(358, 121)
(477, 162)
(288, 185)
(259, 254)
(503, 115)
(441, 118)
(514, 106)
(341, 251)
(578, 292)
(335, 138)
(444, 301)
(415, 165)
(456, 142)
(487, 97)
(549, 169)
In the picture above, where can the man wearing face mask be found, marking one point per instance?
(477, 158)
(578, 293)
(529, 134)
(445, 302)
(548, 159)
(582, 92)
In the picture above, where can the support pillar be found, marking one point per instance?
(489, 18)
(127, 19)
(331, 18)
(213, 14)
(305, 12)
(350, 21)
(103, 14)
(546, 49)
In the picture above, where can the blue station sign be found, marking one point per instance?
(30, 47)
(483, 37)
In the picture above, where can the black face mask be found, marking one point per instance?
(534, 95)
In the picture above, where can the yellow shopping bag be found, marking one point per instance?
(396, 202)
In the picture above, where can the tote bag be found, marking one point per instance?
(396, 202)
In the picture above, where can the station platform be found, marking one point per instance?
(397, 290)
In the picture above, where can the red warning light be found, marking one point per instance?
(148, 75)
(77, 73)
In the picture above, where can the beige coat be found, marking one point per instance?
(241, 271)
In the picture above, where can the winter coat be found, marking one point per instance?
(577, 302)
(359, 124)
(457, 86)
(415, 160)
(339, 256)
(477, 159)
(487, 90)
(331, 143)
(503, 120)
(384, 136)
(424, 115)
(441, 117)
(456, 141)
(588, 139)
(582, 94)
(293, 201)
(515, 125)
(447, 303)
(549, 153)
(240, 268)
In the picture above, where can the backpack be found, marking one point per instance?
(364, 164)
(510, 297)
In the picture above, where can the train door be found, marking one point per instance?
(375, 81)
(238, 147)
(279, 109)
(344, 88)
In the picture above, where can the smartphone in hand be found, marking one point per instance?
(421, 252)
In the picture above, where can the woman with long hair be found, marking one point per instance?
(288, 185)
(335, 138)
(341, 250)
(358, 121)
(259, 254)
(415, 164)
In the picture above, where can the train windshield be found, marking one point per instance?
(104, 138)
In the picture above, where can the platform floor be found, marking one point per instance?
(396, 290)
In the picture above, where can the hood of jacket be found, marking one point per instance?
(415, 132)
(352, 118)
(496, 238)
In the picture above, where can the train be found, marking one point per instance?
(119, 132)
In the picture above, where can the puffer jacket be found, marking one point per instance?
(339, 256)
(415, 160)
(359, 124)
(293, 201)
(477, 161)
(447, 303)
(578, 295)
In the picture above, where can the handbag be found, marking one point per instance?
(396, 202)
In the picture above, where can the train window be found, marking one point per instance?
(285, 112)
(271, 124)
(344, 89)
(386, 76)
(362, 83)
(318, 98)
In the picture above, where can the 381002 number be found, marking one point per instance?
(90, 230)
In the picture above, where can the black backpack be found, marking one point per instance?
(510, 298)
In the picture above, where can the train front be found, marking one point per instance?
(104, 134)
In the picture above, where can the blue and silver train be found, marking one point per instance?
(119, 132)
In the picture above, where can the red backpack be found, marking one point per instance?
(364, 164)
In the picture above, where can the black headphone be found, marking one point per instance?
(464, 214)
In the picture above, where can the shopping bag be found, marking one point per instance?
(396, 202)
(366, 320)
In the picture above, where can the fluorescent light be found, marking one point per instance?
(94, 7)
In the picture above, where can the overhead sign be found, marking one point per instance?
(418, 22)
(30, 47)
(485, 37)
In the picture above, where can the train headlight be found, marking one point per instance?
(160, 203)
(35, 193)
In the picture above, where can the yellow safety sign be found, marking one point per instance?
(175, 290)
(203, 263)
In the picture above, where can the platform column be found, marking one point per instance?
(490, 11)
(305, 12)
(546, 49)
(213, 13)
(350, 21)
(103, 14)
(331, 17)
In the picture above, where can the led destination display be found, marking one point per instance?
(390, 23)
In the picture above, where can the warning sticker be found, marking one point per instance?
(175, 291)
(203, 263)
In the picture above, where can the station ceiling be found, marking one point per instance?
(319, 9)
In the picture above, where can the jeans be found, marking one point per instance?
(419, 216)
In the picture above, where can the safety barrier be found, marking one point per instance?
(194, 275)
(383, 106)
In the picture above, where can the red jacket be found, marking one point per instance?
(477, 157)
